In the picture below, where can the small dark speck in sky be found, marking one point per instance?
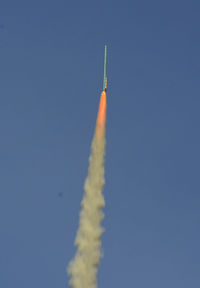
(60, 194)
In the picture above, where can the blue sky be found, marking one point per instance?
(51, 70)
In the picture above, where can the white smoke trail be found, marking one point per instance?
(83, 268)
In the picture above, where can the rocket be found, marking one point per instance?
(101, 116)
(104, 76)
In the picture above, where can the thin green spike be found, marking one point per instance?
(105, 60)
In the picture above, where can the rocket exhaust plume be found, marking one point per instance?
(83, 268)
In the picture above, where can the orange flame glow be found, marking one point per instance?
(101, 117)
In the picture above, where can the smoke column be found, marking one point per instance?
(83, 268)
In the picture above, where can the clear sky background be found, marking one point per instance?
(51, 76)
